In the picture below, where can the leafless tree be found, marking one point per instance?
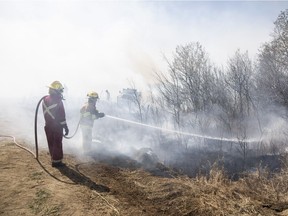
(240, 83)
(170, 92)
(194, 71)
(239, 80)
(189, 88)
(273, 64)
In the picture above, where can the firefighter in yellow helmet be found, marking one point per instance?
(55, 122)
(89, 113)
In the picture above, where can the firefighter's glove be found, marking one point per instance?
(66, 130)
(101, 115)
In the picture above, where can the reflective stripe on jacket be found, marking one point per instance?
(53, 110)
(88, 114)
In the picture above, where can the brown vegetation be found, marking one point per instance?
(91, 187)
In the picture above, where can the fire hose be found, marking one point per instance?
(36, 143)
(115, 118)
(35, 127)
(35, 133)
(36, 155)
(14, 140)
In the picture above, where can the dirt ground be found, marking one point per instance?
(118, 186)
(31, 187)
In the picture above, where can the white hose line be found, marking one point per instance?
(14, 140)
(181, 132)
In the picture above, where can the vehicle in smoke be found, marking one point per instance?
(128, 94)
(129, 100)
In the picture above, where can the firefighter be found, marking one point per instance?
(89, 113)
(55, 122)
(107, 95)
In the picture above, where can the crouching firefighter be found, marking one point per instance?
(89, 113)
(55, 122)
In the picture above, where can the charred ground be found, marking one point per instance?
(121, 186)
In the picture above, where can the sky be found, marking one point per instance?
(99, 45)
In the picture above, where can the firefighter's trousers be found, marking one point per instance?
(54, 137)
(86, 137)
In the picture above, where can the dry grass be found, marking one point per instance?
(258, 193)
(133, 191)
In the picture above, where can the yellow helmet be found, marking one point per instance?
(57, 86)
(93, 94)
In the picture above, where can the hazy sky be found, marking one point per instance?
(98, 45)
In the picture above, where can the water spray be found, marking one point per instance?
(140, 124)
(181, 132)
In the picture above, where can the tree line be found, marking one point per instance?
(247, 100)
(236, 101)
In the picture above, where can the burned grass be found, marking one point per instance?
(99, 188)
